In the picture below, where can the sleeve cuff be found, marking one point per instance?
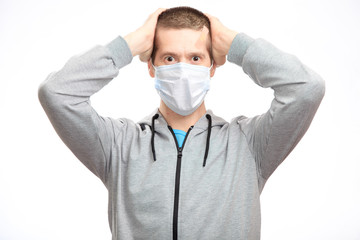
(238, 48)
(120, 52)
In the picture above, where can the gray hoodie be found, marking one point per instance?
(208, 189)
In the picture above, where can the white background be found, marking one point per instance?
(46, 193)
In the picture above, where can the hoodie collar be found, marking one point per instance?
(156, 120)
(200, 126)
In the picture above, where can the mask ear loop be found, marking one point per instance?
(152, 64)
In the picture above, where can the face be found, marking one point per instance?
(182, 45)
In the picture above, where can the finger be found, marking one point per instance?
(219, 60)
(208, 15)
(156, 14)
(211, 17)
(152, 18)
(144, 57)
(220, 63)
(160, 10)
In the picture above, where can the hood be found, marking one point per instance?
(200, 126)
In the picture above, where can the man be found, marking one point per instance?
(182, 172)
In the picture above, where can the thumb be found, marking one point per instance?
(145, 56)
(218, 58)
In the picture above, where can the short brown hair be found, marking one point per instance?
(179, 18)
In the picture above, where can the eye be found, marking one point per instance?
(196, 58)
(169, 59)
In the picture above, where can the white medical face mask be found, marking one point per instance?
(182, 86)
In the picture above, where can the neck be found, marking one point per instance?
(180, 122)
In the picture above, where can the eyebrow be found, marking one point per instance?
(168, 53)
(202, 55)
(173, 54)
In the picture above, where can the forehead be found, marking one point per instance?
(182, 40)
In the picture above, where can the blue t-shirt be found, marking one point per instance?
(180, 136)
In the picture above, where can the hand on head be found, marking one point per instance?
(221, 39)
(141, 41)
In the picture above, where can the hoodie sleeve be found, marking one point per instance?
(65, 97)
(298, 92)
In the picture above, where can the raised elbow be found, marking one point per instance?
(315, 89)
(46, 93)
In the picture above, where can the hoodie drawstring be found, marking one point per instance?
(208, 139)
(153, 135)
(208, 116)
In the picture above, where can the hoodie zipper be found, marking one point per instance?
(177, 181)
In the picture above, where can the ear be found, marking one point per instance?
(151, 69)
(212, 71)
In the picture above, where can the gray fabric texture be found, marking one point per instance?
(218, 201)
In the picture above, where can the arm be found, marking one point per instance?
(298, 92)
(65, 97)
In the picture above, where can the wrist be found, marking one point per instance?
(132, 45)
(120, 51)
(228, 38)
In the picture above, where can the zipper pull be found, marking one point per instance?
(179, 152)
